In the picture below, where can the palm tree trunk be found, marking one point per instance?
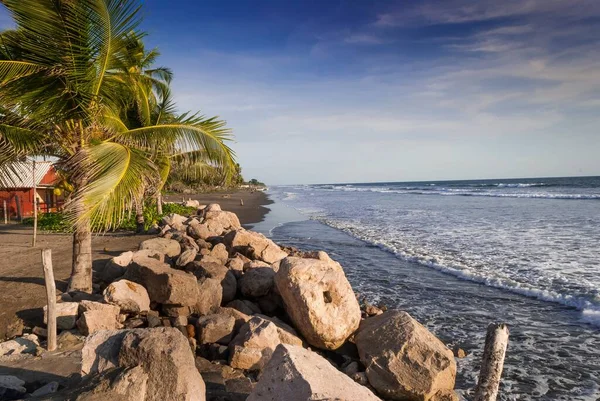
(139, 217)
(81, 273)
(159, 203)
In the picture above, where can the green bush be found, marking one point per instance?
(56, 222)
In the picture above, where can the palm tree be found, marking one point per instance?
(63, 94)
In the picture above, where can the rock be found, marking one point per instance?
(186, 257)
(11, 387)
(361, 378)
(459, 352)
(212, 207)
(117, 384)
(297, 374)
(199, 231)
(214, 352)
(19, 346)
(164, 284)
(270, 304)
(95, 316)
(40, 331)
(210, 294)
(191, 203)
(216, 270)
(176, 310)
(220, 253)
(262, 247)
(219, 221)
(445, 395)
(240, 318)
(202, 244)
(372, 310)
(67, 340)
(153, 321)
(319, 300)
(351, 368)
(87, 306)
(215, 329)
(154, 229)
(252, 348)
(49, 388)
(236, 264)
(168, 247)
(244, 306)
(14, 329)
(163, 353)
(173, 219)
(187, 242)
(403, 359)
(257, 282)
(115, 267)
(127, 295)
(287, 335)
(66, 315)
(253, 264)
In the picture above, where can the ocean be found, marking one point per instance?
(458, 255)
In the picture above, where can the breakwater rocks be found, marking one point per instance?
(211, 311)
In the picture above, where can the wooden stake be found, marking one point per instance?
(51, 294)
(492, 362)
(34, 206)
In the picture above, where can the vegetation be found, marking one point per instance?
(77, 85)
(57, 222)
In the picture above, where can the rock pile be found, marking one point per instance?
(209, 310)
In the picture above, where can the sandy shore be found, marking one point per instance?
(252, 211)
(22, 291)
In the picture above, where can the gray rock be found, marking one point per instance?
(116, 267)
(257, 282)
(319, 300)
(163, 353)
(263, 248)
(168, 247)
(297, 374)
(404, 360)
(210, 294)
(19, 346)
(164, 284)
(66, 315)
(130, 297)
(215, 328)
(186, 257)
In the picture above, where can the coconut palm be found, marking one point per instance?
(63, 94)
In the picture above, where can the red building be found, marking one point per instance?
(19, 196)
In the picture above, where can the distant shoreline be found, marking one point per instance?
(251, 212)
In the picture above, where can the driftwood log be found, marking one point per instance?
(492, 362)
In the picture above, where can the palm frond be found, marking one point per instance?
(114, 178)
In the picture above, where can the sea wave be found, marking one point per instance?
(590, 309)
(444, 191)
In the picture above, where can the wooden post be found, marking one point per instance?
(241, 202)
(34, 205)
(51, 294)
(18, 203)
(492, 362)
(159, 203)
(5, 212)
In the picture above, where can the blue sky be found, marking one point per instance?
(354, 91)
